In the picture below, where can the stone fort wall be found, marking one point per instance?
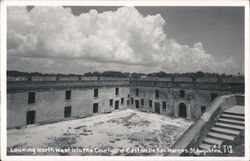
(178, 97)
(180, 94)
(50, 101)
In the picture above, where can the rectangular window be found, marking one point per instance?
(95, 107)
(127, 102)
(164, 105)
(182, 93)
(194, 79)
(31, 97)
(128, 95)
(122, 101)
(116, 91)
(96, 92)
(137, 91)
(156, 93)
(142, 102)
(150, 103)
(68, 94)
(203, 109)
(132, 100)
(67, 111)
(111, 102)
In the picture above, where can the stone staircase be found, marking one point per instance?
(227, 128)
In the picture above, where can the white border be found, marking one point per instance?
(3, 30)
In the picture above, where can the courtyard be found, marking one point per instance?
(124, 132)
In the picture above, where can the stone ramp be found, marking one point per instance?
(227, 128)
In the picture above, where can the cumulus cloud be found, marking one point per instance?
(51, 37)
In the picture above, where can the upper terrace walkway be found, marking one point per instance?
(53, 82)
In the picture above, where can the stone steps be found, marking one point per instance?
(232, 113)
(230, 121)
(233, 117)
(227, 128)
(225, 131)
(212, 141)
(236, 110)
(220, 136)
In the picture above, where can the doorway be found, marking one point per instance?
(137, 103)
(213, 96)
(67, 111)
(157, 107)
(182, 110)
(95, 107)
(203, 109)
(116, 105)
(30, 117)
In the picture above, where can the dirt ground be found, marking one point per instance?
(126, 132)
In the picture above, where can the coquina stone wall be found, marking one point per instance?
(177, 97)
(49, 105)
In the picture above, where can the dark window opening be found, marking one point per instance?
(137, 91)
(122, 101)
(127, 102)
(30, 119)
(95, 107)
(67, 111)
(128, 95)
(95, 92)
(116, 91)
(132, 100)
(164, 106)
(219, 80)
(213, 96)
(116, 104)
(142, 102)
(68, 94)
(31, 97)
(194, 79)
(111, 102)
(150, 103)
(203, 109)
(156, 93)
(182, 93)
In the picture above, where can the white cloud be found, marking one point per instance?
(121, 40)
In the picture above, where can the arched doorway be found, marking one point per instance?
(182, 110)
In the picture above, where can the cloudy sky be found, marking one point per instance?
(128, 39)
